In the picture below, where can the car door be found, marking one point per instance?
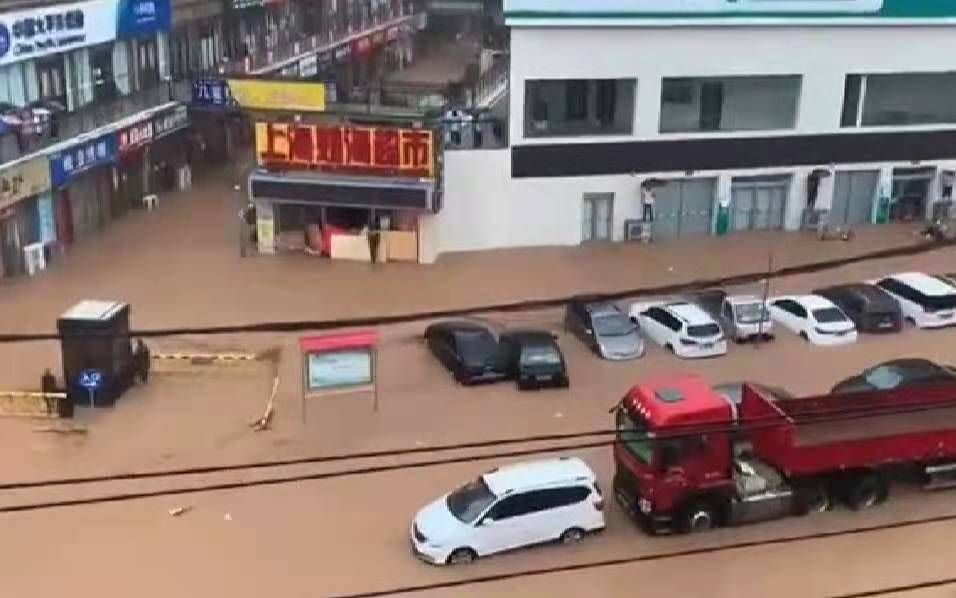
(652, 324)
(784, 311)
(504, 527)
(727, 321)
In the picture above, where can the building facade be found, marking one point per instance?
(733, 116)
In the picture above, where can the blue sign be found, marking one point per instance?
(91, 380)
(4, 40)
(138, 18)
(212, 92)
(67, 164)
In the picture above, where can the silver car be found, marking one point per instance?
(604, 328)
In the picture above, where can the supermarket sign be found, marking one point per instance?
(540, 12)
(352, 150)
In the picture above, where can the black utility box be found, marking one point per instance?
(95, 338)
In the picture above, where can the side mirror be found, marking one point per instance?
(487, 522)
(589, 332)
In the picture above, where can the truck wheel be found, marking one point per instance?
(813, 497)
(699, 517)
(866, 491)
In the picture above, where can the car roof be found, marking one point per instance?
(867, 292)
(460, 326)
(529, 336)
(534, 474)
(601, 308)
(690, 313)
(808, 301)
(926, 284)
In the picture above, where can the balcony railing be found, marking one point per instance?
(42, 127)
(268, 60)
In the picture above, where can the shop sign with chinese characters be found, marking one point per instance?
(69, 163)
(23, 180)
(170, 122)
(212, 92)
(369, 151)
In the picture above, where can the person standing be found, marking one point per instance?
(647, 204)
(48, 388)
(141, 359)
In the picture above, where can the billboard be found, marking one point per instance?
(297, 96)
(347, 149)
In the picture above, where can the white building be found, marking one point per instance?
(709, 102)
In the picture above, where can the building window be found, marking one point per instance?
(101, 62)
(900, 99)
(556, 107)
(51, 78)
(745, 103)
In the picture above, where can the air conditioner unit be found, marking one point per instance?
(33, 258)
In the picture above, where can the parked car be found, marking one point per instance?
(467, 349)
(926, 301)
(510, 507)
(533, 359)
(604, 328)
(814, 318)
(897, 373)
(741, 317)
(869, 307)
(680, 327)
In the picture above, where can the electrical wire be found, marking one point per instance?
(923, 585)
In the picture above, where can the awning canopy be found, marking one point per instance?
(343, 191)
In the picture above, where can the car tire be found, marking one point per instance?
(700, 516)
(669, 348)
(813, 497)
(572, 535)
(461, 556)
(865, 491)
(804, 336)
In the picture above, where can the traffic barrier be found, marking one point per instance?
(205, 357)
(21, 403)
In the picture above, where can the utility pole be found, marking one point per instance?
(763, 303)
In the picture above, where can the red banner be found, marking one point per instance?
(376, 151)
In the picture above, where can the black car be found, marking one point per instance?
(468, 349)
(896, 374)
(869, 307)
(533, 359)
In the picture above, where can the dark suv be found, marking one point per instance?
(533, 359)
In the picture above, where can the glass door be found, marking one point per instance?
(598, 217)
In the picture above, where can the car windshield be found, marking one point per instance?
(470, 501)
(828, 315)
(703, 330)
(750, 313)
(613, 325)
(540, 355)
(632, 433)
(476, 347)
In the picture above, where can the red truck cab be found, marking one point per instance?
(689, 458)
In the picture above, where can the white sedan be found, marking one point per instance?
(814, 318)
(682, 328)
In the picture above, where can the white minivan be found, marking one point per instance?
(926, 301)
(510, 507)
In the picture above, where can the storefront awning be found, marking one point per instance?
(343, 191)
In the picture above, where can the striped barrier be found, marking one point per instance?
(206, 356)
(204, 362)
(17, 403)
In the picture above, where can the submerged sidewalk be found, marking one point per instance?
(180, 267)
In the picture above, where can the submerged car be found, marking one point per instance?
(604, 328)
(897, 373)
(554, 500)
(815, 319)
(467, 349)
(926, 301)
(533, 359)
(680, 327)
(870, 308)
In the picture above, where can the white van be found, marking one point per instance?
(510, 507)
(926, 301)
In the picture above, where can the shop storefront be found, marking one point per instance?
(83, 196)
(151, 155)
(169, 152)
(24, 193)
(342, 191)
(217, 124)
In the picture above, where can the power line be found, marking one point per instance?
(660, 556)
(693, 430)
(937, 583)
(525, 305)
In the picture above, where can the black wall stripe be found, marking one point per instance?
(331, 194)
(588, 159)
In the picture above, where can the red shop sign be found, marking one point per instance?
(361, 46)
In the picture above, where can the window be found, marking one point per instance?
(852, 93)
(703, 330)
(632, 433)
(469, 501)
(554, 498)
(749, 103)
(828, 315)
(792, 307)
(579, 107)
(902, 99)
(517, 505)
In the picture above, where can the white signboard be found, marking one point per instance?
(692, 7)
(36, 32)
(309, 66)
(339, 369)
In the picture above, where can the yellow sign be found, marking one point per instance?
(302, 96)
(24, 180)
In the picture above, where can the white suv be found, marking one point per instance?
(510, 507)
(682, 328)
(926, 301)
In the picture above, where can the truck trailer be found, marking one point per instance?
(688, 459)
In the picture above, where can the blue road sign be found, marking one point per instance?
(91, 380)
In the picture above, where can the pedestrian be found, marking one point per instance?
(141, 361)
(48, 388)
(647, 204)
(479, 135)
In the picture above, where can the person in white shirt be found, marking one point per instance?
(647, 204)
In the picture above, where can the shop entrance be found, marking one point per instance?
(759, 203)
(853, 196)
(683, 207)
(598, 217)
(10, 246)
(910, 193)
